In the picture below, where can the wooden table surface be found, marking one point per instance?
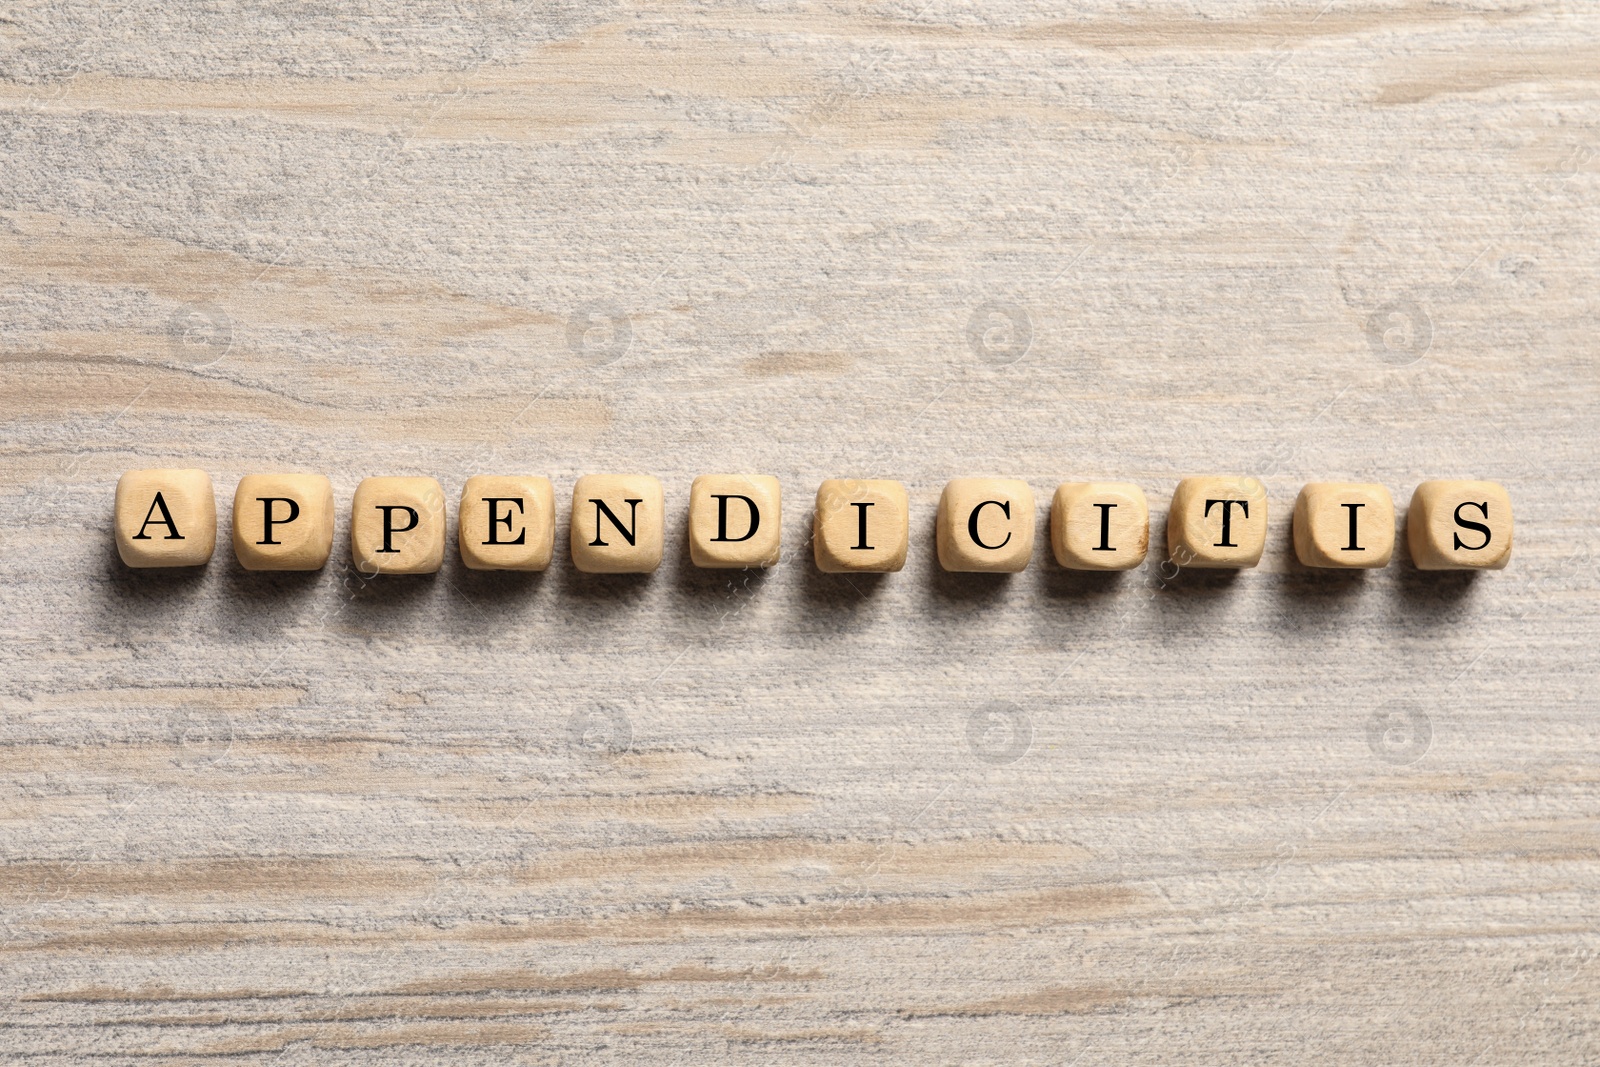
(701, 817)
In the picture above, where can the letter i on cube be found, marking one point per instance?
(861, 525)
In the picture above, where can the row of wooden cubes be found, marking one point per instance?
(167, 518)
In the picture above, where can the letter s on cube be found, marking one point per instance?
(1459, 526)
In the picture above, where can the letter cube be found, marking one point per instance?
(617, 523)
(507, 522)
(1099, 526)
(283, 522)
(985, 524)
(1344, 524)
(165, 518)
(1218, 521)
(735, 520)
(861, 525)
(397, 526)
(1459, 525)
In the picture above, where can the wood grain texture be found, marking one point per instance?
(802, 818)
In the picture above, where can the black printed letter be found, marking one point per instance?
(268, 522)
(390, 529)
(1227, 519)
(1467, 524)
(1105, 529)
(861, 526)
(496, 519)
(165, 520)
(972, 523)
(626, 531)
(722, 517)
(1352, 546)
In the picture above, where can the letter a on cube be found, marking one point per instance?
(165, 518)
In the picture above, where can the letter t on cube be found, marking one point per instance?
(1217, 521)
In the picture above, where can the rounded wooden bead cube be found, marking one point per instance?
(617, 524)
(165, 517)
(1459, 525)
(1099, 526)
(397, 526)
(1217, 521)
(735, 520)
(861, 525)
(507, 522)
(985, 525)
(283, 522)
(1344, 524)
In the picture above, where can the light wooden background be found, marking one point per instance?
(704, 818)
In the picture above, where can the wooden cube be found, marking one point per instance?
(985, 524)
(617, 523)
(283, 522)
(1099, 526)
(735, 520)
(861, 525)
(165, 518)
(1459, 525)
(507, 522)
(397, 526)
(1344, 524)
(1217, 522)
